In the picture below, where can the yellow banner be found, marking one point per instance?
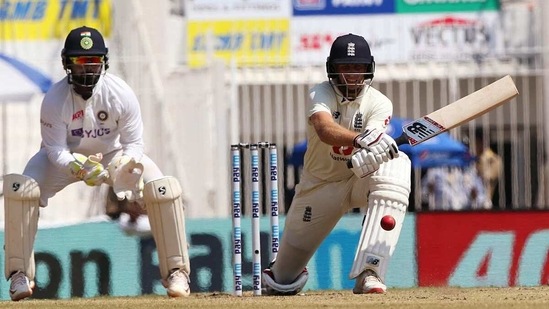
(52, 19)
(246, 42)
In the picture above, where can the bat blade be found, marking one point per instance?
(459, 112)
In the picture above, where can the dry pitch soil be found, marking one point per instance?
(424, 298)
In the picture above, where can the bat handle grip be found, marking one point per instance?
(349, 164)
(401, 140)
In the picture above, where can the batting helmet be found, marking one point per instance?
(352, 49)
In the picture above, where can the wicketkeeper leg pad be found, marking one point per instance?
(21, 207)
(166, 215)
(388, 195)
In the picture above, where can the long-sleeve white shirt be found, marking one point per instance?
(109, 120)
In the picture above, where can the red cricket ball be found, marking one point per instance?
(388, 222)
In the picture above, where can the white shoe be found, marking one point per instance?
(271, 287)
(177, 283)
(369, 283)
(20, 286)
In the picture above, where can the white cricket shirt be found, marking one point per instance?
(109, 120)
(329, 162)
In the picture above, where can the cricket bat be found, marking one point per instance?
(459, 112)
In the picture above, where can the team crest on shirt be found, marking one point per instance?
(358, 122)
(102, 115)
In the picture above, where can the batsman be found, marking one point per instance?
(92, 131)
(347, 118)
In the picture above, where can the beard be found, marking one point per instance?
(350, 89)
(85, 80)
(350, 92)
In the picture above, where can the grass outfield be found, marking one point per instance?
(424, 298)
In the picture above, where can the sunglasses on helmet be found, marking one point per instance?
(87, 59)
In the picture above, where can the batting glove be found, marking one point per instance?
(126, 176)
(363, 163)
(89, 169)
(377, 142)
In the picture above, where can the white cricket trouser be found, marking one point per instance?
(316, 208)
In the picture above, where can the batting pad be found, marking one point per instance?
(389, 193)
(165, 209)
(21, 198)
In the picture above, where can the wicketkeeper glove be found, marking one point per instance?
(363, 163)
(89, 169)
(126, 176)
(377, 142)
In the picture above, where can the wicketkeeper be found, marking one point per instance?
(92, 131)
(347, 121)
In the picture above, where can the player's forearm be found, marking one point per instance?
(134, 150)
(336, 135)
(59, 156)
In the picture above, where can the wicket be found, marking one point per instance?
(237, 188)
